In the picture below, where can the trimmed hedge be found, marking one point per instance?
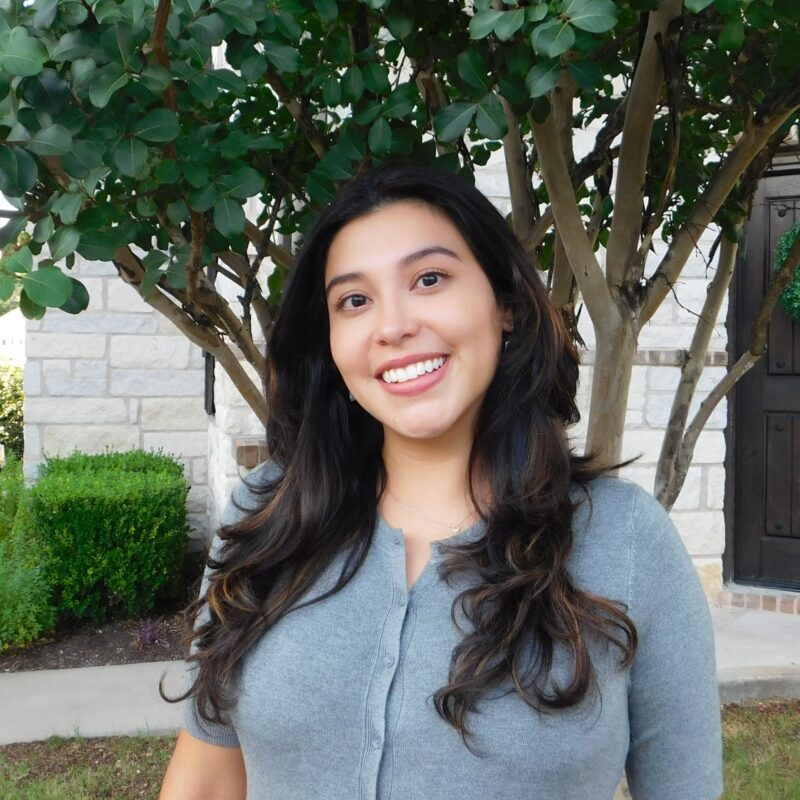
(11, 399)
(25, 609)
(112, 532)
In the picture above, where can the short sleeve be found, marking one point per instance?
(675, 750)
(239, 504)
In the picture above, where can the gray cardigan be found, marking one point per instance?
(335, 701)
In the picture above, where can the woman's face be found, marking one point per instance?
(415, 329)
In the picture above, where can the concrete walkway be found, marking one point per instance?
(758, 656)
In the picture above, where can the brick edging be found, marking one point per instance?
(782, 602)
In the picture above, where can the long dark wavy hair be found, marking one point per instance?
(323, 502)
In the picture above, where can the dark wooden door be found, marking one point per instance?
(766, 407)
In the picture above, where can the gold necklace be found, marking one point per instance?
(452, 528)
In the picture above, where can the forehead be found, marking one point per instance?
(386, 235)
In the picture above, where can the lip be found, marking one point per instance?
(406, 360)
(417, 385)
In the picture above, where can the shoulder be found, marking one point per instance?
(246, 497)
(617, 526)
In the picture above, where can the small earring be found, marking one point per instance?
(506, 340)
(350, 395)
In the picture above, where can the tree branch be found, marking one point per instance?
(753, 139)
(643, 96)
(159, 48)
(523, 212)
(755, 352)
(306, 124)
(579, 250)
(669, 481)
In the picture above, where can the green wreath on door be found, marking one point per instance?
(790, 297)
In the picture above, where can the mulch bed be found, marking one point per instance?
(156, 637)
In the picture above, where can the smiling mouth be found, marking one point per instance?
(413, 371)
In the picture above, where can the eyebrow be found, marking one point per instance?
(406, 261)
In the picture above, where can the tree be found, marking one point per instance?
(125, 141)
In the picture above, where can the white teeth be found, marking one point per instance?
(408, 373)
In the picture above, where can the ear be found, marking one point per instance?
(508, 320)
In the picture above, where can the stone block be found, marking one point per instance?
(715, 487)
(63, 439)
(123, 297)
(65, 345)
(76, 387)
(32, 378)
(199, 474)
(238, 420)
(646, 443)
(183, 445)
(93, 370)
(77, 410)
(196, 358)
(149, 352)
(100, 322)
(173, 414)
(638, 388)
(84, 267)
(690, 495)
(709, 570)
(659, 406)
(157, 382)
(703, 532)
(197, 500)
(133, 411)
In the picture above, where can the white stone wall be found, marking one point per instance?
(118, 375)
(12, 338)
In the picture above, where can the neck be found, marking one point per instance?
(429, 474)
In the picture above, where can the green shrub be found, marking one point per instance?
(26, 612)
(11, 398)
(12, 485)
(112, 532)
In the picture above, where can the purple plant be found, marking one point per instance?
(149, 634)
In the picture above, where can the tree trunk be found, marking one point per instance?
(614, 355)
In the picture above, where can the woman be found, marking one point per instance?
(424, 593)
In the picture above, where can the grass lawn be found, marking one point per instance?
(762, 751)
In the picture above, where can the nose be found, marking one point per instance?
(395, 320)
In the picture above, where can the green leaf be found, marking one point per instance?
(7, 286)
(105, 83)
(536, 13)
(130, 156)
(47, 91)
(451, 121)
(18, 171)
(586, 74)
(731, 37)
(155, 78)
(594, 16)
(542, 77)
(78, 300)
(67, 207)
(43, 229)
(20, 261)
(196, 174)
(352, 84)
(282, 57)
(379, 137)
(21, 54)
(228, 217)
(167, 171)
(401, 102)
(490, 117)
(553, 38)
(210, 29)
(331, 91)
(399, 21)
(697, 5)
(29, 309)
(509, 23)
(327, 10)
(82, 159)
(473, 70)
(159, 125)
(45, 14)
(482, 24)
(242, 184)
(204, 199)
(63, 242)
(376, 78)
(97, 246)
(71, 46)
(54, 140)
(47, 286)
(352, 144)
(321, 189)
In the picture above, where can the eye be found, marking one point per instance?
(432, 277)
(358, 301)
